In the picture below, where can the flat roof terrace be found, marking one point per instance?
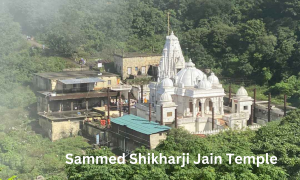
(136, 54)
(85, 95)
(73, 74)
(70, 115)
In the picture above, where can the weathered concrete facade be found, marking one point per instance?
(133, 63)
(50, 81)
(60, 129)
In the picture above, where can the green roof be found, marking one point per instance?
(140, 124)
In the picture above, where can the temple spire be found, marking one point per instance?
(172, 58)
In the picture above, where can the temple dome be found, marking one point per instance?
(241, 92)
(190, 75)
(204, 84)
(213, 79)
(166, 83)
(165, 97)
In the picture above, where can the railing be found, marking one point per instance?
(211, 132)
(238, 81)
(186, 120)
(235, 116)
(254, 127)
(120, 87)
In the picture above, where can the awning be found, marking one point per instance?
(81, 81)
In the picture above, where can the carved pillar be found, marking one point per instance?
(194, 108)
(214, 104)
(222, 105)
(202, 106)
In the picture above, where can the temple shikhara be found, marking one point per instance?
(195, 95)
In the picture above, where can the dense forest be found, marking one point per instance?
(255, 40)
(258, 40)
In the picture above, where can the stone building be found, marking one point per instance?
(135, 63)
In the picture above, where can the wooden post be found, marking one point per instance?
(87, 105)
(269, 108)
(150, 112)
(108, 104)
(213, 117)
(161, 115)
(128, 102)
(142, 94)
(254, 104)
(284, 108)
(251, 120)
(120, 105)
(72, 106)
(48, 107)
(176, 120)
(230, 95)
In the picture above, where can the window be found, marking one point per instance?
(74, 85)
(169, 114)
(64, 86)
(143, 70)
(109, 82)
(245, 107)
(129, 71)
(136, 68)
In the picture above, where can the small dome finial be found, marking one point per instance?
(213, 79)
(241, 92)
(172, 33)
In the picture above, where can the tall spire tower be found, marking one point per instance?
(172, 59)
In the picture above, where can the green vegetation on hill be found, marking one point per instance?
(257, 40)
(23, 152)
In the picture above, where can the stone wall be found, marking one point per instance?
(155, 139)
(92, 131)
(60, 129)
(64, 129)
(46, 126)
(135, 63)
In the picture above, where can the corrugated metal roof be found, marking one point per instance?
(80, 81)
(140, 124)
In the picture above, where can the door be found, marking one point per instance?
(210, 106)
(199, 106)
(191, 107)
(143, 70)
(129, 71)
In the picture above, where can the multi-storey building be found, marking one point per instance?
(65, 99)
